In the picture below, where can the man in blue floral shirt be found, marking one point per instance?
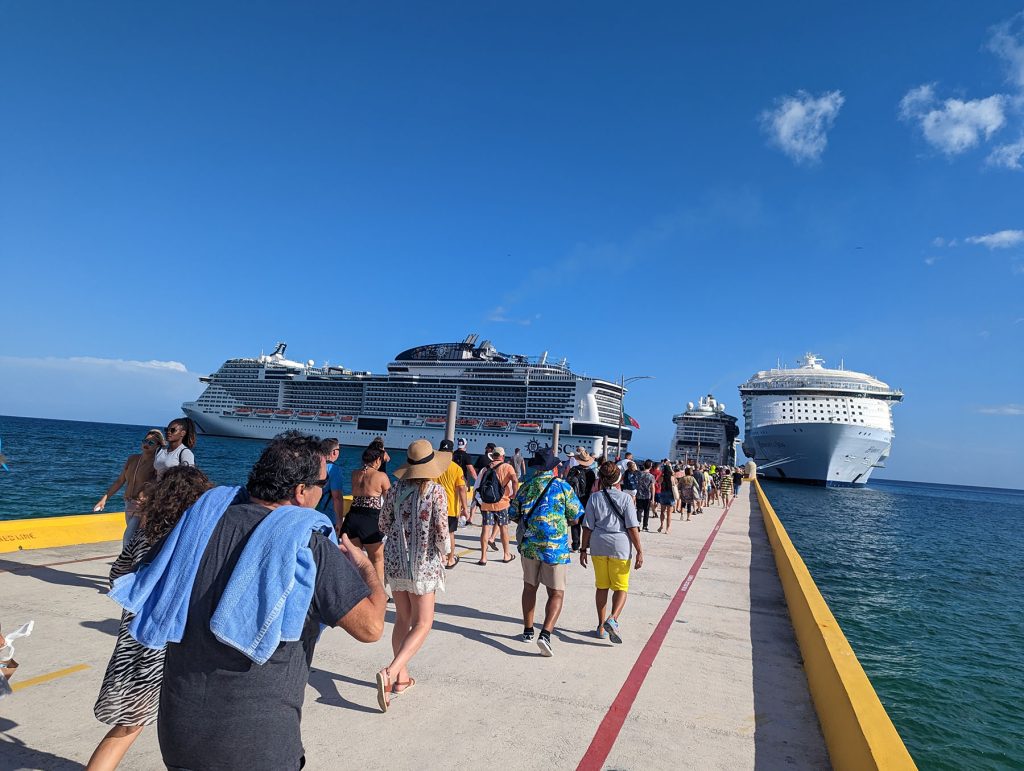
(544, 508)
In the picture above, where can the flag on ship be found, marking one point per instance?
(630, 421)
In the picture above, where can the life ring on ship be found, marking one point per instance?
(533, 445)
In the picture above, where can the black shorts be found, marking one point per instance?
(453, 524)
(363, 523)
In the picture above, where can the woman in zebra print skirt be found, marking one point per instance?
(130, 694)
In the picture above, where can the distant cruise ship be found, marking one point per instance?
(705, 434)
(824, 426)
(509, 399)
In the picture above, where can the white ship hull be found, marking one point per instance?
(396, 437)
(830, 454)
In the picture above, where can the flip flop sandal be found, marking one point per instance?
(405, 686)
(383, 686)
(492, 546)
(458, 559)
(512, 558)
(480, 562)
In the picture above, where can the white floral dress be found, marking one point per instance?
(416, 544)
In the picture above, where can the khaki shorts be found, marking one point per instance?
(536, 573)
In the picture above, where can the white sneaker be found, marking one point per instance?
(544, 643)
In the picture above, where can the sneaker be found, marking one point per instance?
(527, 636)
(601, 634)
(544, 643)
(612, 627)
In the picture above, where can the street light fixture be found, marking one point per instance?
(622, 395)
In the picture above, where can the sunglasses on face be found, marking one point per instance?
(149, 443)
(321, 483)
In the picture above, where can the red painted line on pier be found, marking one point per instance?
(607, 733)
(26, 568)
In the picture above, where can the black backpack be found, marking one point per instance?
(489, 486)
(577, 479)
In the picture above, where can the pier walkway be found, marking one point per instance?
(708, 676)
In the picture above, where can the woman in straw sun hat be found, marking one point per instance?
(414, 520)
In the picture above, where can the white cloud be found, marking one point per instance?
(938, 242)
(953, 125)
(500, 315)
(1007, 42)
(929, 261)
(1002, 409)
(799, 125)
(1004, 239)
(1008, 156)
(94, 388)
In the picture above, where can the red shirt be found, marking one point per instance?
(657, 479)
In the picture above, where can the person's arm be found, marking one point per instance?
(365, 621)
(463, 495)
(515, 484)
(121, 479)
(634, 537)
(338, 502)
(587, 522)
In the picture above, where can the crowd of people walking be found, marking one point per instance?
(225, 589)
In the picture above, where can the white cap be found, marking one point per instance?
(497, 452)
(461, 443)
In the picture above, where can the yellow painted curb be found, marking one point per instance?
(48, 677)
(858, 731)
(43, 533)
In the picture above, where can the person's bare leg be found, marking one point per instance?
(618, 603)
(451, 554)
(422, 619)
(601, 598)
(553, 608)
(529, 604)
(375, 551)
(485, 534)
(503, 530)
(112, 747)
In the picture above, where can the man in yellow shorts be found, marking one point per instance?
(611, 539)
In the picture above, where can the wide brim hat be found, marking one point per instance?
(423, 462)
(583, 456)
(544, 459)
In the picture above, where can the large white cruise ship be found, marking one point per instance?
(823, 426)
(509, 399)
(705, 434)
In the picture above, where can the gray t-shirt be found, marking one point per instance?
(165, 459)
(609, 538)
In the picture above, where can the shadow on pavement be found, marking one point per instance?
(16, 755)
(59, 577)
(326, 683)
(107, 626)
(476, 635)
(782, 736)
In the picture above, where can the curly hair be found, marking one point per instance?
(608, 474)
(168, 499)
(291, 459)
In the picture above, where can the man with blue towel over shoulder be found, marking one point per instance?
(238, 593)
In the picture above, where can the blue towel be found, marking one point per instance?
(158, 592)
(268, 595)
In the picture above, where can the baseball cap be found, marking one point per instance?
(461, 442)
(446, 445)
(497, 452)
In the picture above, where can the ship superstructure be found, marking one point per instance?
(704, 434)
(509, 399)
(823, 426)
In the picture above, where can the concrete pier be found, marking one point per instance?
(708, 676)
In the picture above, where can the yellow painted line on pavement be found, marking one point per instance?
(48, 677)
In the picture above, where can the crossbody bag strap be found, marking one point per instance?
(615, 508)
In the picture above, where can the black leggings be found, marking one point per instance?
(643, 508)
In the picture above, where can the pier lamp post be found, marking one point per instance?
(622, 395)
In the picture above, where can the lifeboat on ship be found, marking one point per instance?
(243, 412)
(467, 423)
(326, 415)
(529, 425)
(283, 414)
(263, 412)
(436, 420)
(307, 415)
(497, 425)
(346, 419)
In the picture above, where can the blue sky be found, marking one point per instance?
(652, 190)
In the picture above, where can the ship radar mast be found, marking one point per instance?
(812, 361)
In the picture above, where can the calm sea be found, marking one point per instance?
(926, 580)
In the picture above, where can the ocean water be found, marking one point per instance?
(64, 466)
(927, 581)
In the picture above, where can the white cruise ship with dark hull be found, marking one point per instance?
(509, 399)
(815, 425)
(704, 434)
